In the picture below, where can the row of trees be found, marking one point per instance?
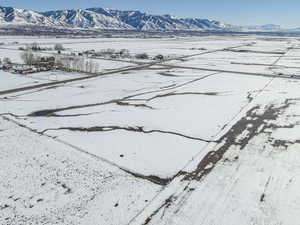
(113, 53)
(36, 47)
(68, 63)
(76, 63)
(123, 53)
(28, 57)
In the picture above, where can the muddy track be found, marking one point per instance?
(53, 112)
(183, 94)
(166, 204)
(241, 133)
(257, 120)
(137, 129)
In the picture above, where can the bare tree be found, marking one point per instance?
(76, 63)
(87, 66)
(34, 46)
(96, 68)
(28, 57)
(91, 66)
(124, 53)
(58, 47)
(6, 60)
(142, 56)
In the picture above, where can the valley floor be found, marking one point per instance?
(208, 136)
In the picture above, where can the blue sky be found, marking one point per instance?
(240, 12)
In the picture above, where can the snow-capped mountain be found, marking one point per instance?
(205, 24)
(100, 18)
(144, 21)
(86, 19)
(13, 16)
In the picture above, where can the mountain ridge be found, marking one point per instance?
(101, 18)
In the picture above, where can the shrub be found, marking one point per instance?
(142, 56)
(7, 60)
(58, 47)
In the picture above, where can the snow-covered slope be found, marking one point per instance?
(86, 19)
(9, 15)
(100, 18)
(143, 21)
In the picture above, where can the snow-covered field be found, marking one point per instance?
(210, 137)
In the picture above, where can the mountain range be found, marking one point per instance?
(108, 19)
(100, 18)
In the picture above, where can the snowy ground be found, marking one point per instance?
(208, 138)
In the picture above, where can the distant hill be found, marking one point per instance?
(266, 27)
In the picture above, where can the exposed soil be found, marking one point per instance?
(129, 128)
(252, 124)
